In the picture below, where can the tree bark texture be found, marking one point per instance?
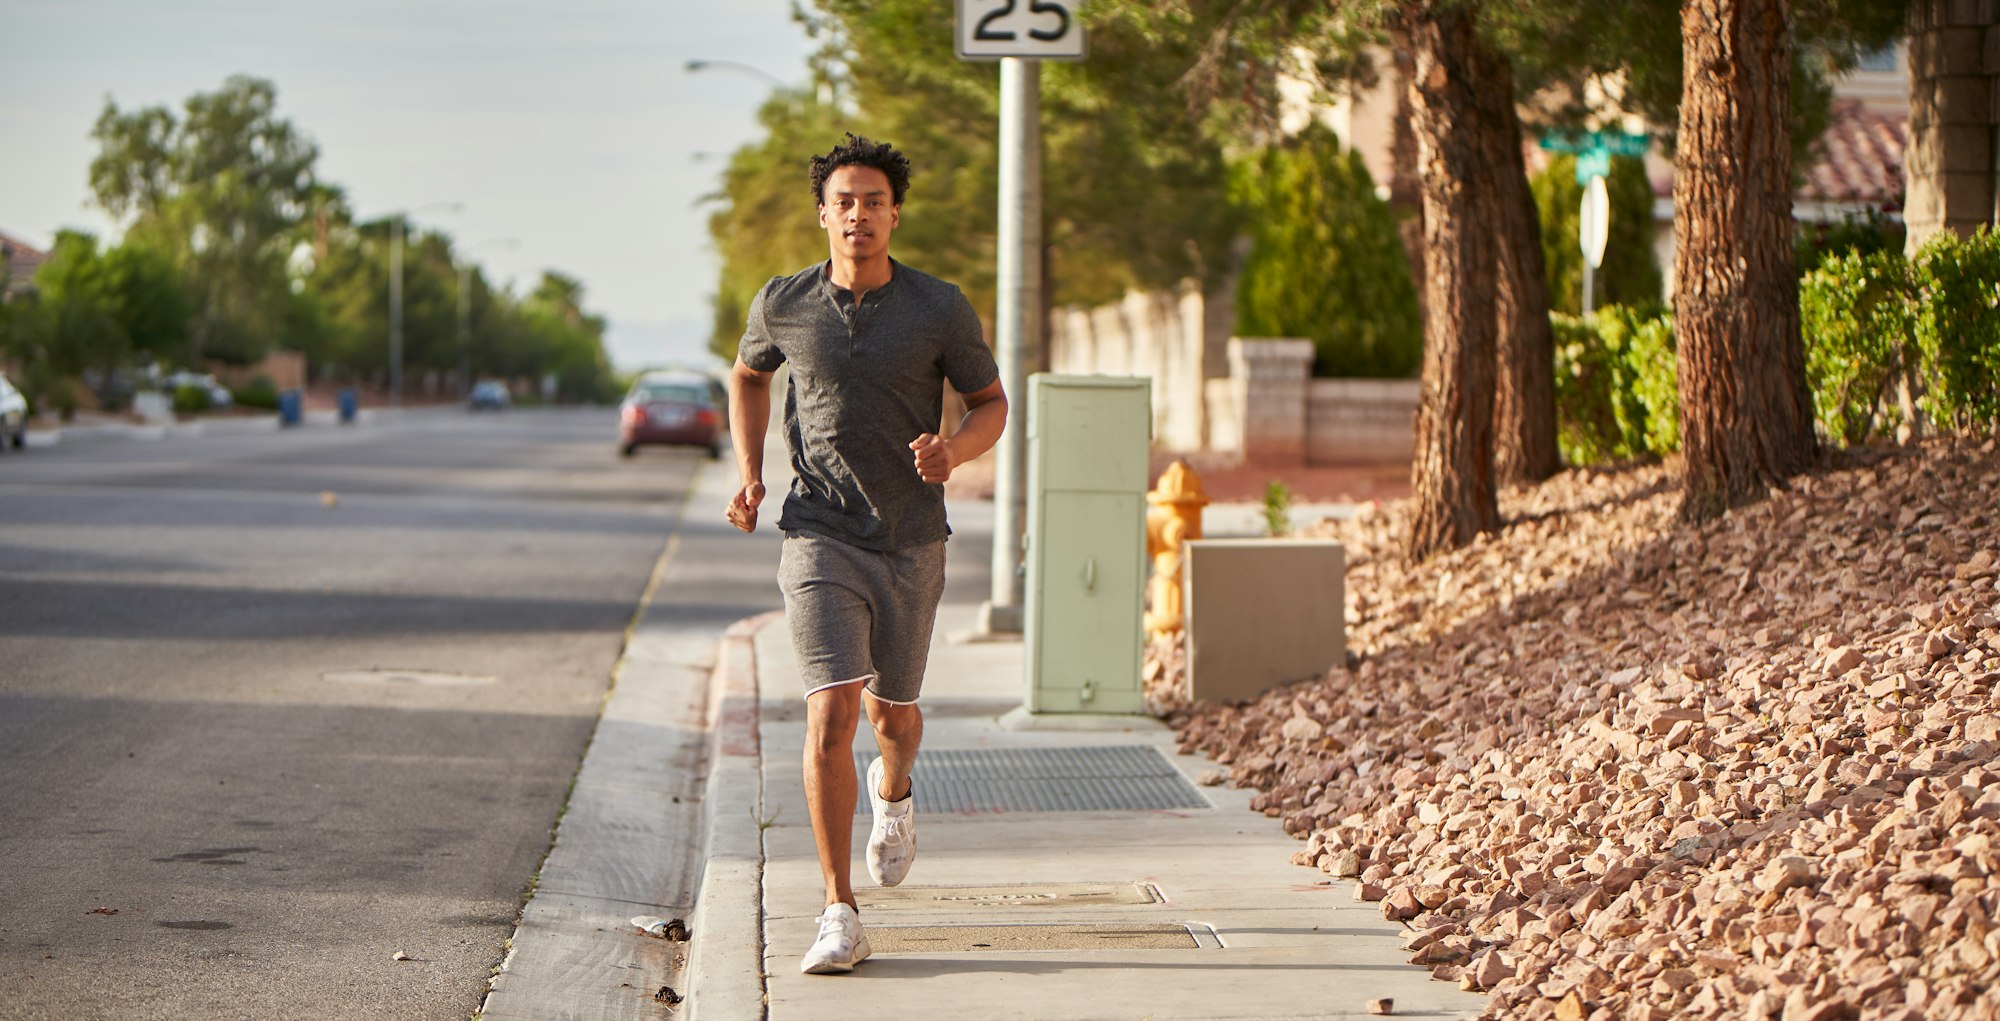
(1452, 480)
(1406, 187)
(1746, 410)
(1524, 398)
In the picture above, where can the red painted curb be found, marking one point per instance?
(732, 687)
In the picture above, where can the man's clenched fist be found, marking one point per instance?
(743, 507)
(934, 457)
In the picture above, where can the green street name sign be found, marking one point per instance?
(1594, 149)
(1617, 143)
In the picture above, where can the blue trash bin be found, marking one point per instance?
(350, 402)
(290, 405)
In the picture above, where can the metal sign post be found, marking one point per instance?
(1018, 36)
(1593, 230)
(1594, 150)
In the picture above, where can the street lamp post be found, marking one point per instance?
(465, 309)
(396, 296)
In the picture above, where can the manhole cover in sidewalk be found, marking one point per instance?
(1112, 778)
(1062, 895)
(961, 939)
(423, 678)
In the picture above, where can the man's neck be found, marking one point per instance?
(860, 276)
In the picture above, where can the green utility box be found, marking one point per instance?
(1086, 551)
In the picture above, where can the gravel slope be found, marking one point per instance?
(1608, 765)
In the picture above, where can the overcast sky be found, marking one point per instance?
(571, 126)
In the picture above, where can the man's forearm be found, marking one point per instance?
(749, 417)
(979, 429)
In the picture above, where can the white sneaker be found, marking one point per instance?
(892, 844)
(841, 944)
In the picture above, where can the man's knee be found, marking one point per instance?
(896, 722)
(831, 716)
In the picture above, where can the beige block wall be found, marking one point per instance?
(1361, 421)
(1954, 55)
(1265, 406)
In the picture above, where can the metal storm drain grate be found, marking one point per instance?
(960, 939)
(1114, 778)
(1057, 895)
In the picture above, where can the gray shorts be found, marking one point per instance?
(859, 614)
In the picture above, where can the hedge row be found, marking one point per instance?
(1887, 339)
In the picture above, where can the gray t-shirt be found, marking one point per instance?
(865, 382)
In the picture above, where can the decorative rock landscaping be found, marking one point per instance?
(1608, 765)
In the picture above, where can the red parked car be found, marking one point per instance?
(683, 409)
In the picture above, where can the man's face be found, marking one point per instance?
(858, 211)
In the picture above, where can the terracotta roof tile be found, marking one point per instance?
(22, 260)
(1860, 158)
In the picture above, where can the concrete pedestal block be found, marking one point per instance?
(1263, 612)
(1274, 372)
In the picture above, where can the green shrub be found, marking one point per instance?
(260, 392)
(190, 398)
(1871, 319)
(1855, 311)
(1866, 234)
(1326, 261)
(1956, 323)
(1616, 396)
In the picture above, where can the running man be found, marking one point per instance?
(871, 343)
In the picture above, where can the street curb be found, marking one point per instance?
(157, 431)
(152, 431)
(725, 968)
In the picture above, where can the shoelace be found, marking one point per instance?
(896, 828)
(830, 925)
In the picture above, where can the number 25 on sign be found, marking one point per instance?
(1029, 29)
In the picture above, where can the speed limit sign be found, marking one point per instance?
(1029, 29)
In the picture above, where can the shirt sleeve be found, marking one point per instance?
(968, 362)
(757, 350)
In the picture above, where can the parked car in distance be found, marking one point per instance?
(672, 409)
(219, 396)
(489, 394)
(13, 415)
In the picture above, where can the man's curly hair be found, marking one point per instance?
(860, 152)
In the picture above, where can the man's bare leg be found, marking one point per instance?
(899, 729)
(831, 787)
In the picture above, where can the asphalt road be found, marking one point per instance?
(256, 740)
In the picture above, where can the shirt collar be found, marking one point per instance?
(837, 292)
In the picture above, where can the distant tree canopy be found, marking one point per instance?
(234, 247)
(1325, 260)
(1561, 47)
(221, 189)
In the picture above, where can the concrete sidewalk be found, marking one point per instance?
(1106, 910)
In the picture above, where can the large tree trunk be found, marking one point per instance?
(1524, 398)
(1746, 412)
(1406, 186)
(1452, 480)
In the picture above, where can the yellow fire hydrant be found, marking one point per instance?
(1173, 518)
